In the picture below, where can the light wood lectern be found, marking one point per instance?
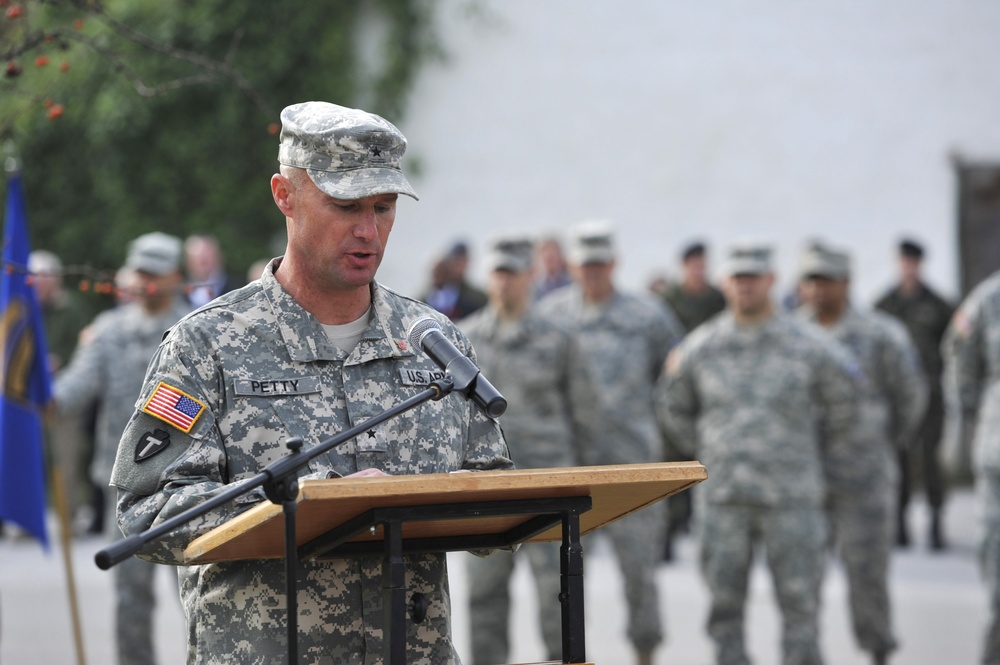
(450, 512)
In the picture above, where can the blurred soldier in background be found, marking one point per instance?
(757, 396)
(694, 300)
(111, 365)
(625, 339)
(925, 315)
(862, 478)
(550, 396)
(972, 359)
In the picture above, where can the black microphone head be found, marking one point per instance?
(419, 327)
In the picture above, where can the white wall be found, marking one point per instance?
(722, 119)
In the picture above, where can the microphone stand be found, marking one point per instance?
(280, 482)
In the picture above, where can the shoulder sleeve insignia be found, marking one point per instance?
(151, 443)
(174, 407)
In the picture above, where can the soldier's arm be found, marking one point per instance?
(839, 381)
(677, 403)
(80, 383)
(905, 385)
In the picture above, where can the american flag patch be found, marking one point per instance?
(174, 407)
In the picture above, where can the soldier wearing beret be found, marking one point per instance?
(624, 338)
(862, 478)
(761, 399)
(538, 366)
(925, 315)
(311, 348)
(109, 369)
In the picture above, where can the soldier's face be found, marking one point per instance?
(748, 295)
(825, 295)
(339, 243)
(594, 280)
(509, 291)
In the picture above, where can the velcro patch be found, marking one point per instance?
(174, 406)
(420, 377)
(151, 443)
(277, 387)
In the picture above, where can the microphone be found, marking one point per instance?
(425, 333)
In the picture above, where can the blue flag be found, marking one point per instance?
(25, 385)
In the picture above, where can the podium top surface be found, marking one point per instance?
(615, 491)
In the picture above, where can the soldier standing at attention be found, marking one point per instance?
(694, 300)
(625, 339)
(110, 366)
(312, 348)
(862, 478)
(538, 367)
(760, 398)
(972, 358)
(925, 315)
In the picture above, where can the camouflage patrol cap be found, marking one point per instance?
(822, 261)
(512, 253)
(155, 253)
(348, 153)
(591, 242)
(749, 259)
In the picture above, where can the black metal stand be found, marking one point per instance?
(546, 513)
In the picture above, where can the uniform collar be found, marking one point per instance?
(306, 340)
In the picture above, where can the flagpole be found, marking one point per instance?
(62, 510)
(12, 167)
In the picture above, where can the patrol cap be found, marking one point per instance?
(591, 242)
(155, 253)
(348, 153)
(44, 262)
(821, 261)
(513, 253)
(749, 259)
(911, 248)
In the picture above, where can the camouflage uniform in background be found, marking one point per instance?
(863, 477)
(972, 359)
(538, 367)
(625, 342)
(758, 406)
(256, 368)
(109, 369)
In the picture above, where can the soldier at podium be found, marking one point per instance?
(313, 347)
(538, 367)
(757, 397)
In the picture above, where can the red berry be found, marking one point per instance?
(64, 66)
(78, 24)
(14, 11)
(55, 112)
(12, 70)
(41, 61)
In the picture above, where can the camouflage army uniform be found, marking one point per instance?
(626, 341)
(109, 370)
(863, 477)
(759, 405)
(972, 358)
(258, 369)
(537, 365)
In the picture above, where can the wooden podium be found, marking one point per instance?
(451, 512)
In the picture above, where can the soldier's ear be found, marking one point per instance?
(282, 191)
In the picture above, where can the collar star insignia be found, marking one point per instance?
(371, 434)
(376, 151)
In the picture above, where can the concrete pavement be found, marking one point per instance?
(939, 600)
